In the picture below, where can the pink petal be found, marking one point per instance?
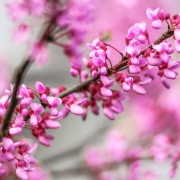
(40, 87)
(2, 111)
(74, 72)
(17, 10)
(134, 61)
(23, 91)
(165, 82)
(4, 99)
(158, 48)
(134, 69)
(52, 124)
(21, 173)
(54, 101)
(76, 109)
(26, 101)
(142, 39)
(50, 137)
(141, 26)
(99, 61)
(154, 61)
(94, 74)
(9, 156)
(149, 13)
(129, 49)
(106, 92)
(39, 53)
(63, 113)
(117, 106)
(33, 147)
(37, 108)
(103, 70)
(15, 130)
(21, 34)
(169, 74)
(107, 82)
(177, 34)
(157, 24)
(54, 111)
(126, 86)
(44, 98)
(44, 140)
(7, 143)
(37, 7)
(109, 113)
(139, 89)
(146, 81)
(33, 120)
(177, 45)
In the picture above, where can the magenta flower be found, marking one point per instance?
(21, 33)
(157, 16)
(17, 10)
(39, 53)
(35, 116)
(3, 107)
(177, 40)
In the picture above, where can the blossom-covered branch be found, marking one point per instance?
(39, 109)
(118, 67)
(76, 88)
(19, 75)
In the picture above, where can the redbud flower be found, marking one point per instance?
(21, 33)
(39, 53)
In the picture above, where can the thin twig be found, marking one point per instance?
(118, 67)
(83, 85)
(18, 78)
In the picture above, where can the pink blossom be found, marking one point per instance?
(17, 10)
(39, 53)
(3, 102)
(40, 87)
(37, 7)
(21, 33)
(157, 16)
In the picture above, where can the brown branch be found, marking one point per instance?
(19, 75)
(21, 71)
(83, 85)
(118, 67)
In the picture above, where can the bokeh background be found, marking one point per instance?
(114, 16)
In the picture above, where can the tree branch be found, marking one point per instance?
(118, 67)
(19, 75)
(21, 71)
(83, 85)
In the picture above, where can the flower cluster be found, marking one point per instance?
(98, 56)
(157, 16)
(105, 162)
(18, 155)
(65, 19)
(140, 58)
(30, 114)
(40, 109)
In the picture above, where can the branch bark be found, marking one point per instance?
(21, 71)
(19, 75)
(118, 67)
